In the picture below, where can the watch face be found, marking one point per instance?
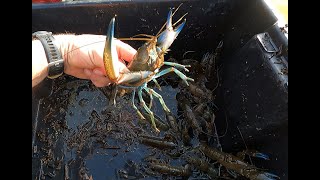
(55, 69)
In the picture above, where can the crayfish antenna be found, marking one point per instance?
(134, 39)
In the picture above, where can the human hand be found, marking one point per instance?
(83, 56)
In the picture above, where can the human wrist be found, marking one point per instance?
(64, 42)
(39, 63)
(52, 52)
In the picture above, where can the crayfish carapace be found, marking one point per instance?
(146, 64)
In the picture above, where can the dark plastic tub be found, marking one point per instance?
(251, 100)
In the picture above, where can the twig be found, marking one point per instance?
(227, 124)
(218, 80)
(244, 143)
(187, 53)
(218, 141)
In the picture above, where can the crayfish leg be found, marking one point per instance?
(252, 153)
(148, 110)
(113, 95)
(156, 83)
(163, 104)
(179, 73)
(132, 77)
(184, 67)
(135, 107)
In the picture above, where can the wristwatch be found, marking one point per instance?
(54, 57)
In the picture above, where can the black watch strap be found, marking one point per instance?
(54, 57)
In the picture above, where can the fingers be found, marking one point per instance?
(125, 51)
(87, 58)
(97, 77)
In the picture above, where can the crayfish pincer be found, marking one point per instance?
(146, 64)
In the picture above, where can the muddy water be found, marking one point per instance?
(81, 135)
(76, 105)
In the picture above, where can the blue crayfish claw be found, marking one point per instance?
(261, 155)
(110, 55)
(167, 37)
(267, 176)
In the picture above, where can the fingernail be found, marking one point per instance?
(100, 83)
(97, 72)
